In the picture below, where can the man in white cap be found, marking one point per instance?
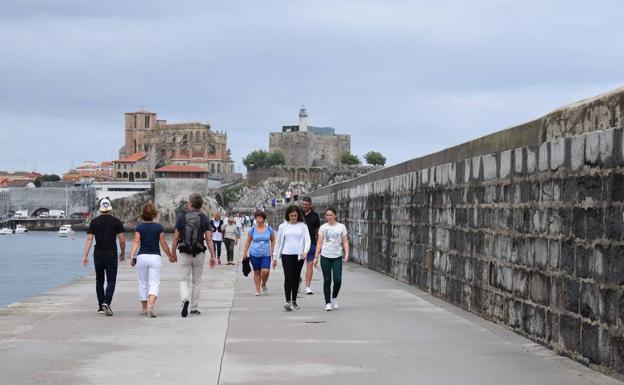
(105, 228)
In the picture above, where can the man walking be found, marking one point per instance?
(191, 230)
(105, 228)
(313, 221)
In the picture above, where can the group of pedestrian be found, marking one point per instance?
(191, 240)
(300, 239)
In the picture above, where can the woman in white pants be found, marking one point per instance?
(148, 236)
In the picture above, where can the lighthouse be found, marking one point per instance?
(303, 119)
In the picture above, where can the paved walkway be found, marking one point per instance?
(384, 333)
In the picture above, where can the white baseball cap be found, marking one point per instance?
(105, 205)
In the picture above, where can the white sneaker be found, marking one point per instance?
(309, 291)
(265, 291)
(257, 293)
(328, 307)
(334, 303)
(288, 306)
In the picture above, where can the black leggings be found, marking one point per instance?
(229, 247)
(292, 272)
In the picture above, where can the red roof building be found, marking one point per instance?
(181, 171)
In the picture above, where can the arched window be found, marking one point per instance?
(125, 175)
(219, 167)
(144, 175)
(118, 175)
(212, 167)
(137, 175)
(197, 136)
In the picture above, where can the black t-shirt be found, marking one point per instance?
(105, 229)
(204, 225)
(313, 221)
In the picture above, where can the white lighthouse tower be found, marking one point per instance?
(303, 119)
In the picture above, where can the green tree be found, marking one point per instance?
(275, 158)
(255, 159)
(375, 158)
(46, 178)
(349, 159)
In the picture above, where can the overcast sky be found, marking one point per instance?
(406, 78)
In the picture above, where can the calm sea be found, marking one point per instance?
(35, 262)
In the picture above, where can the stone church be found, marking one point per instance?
(163, 143)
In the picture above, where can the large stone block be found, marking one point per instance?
(589, 301)
(571, 289)
(596, 345)
(543, 162)
(540, 288)
(577, 152)
(592, 148)
(490, 167)
(570, 331)
(505, 163)
(559, 153)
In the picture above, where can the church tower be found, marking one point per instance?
(137, 123)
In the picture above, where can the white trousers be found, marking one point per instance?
(148, 271)
(191, 269)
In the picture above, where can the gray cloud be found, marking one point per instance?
(405, 78)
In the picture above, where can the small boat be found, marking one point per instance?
(65, 231)
(6, 231)
(20, 229)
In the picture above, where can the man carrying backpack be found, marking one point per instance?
(191, 230)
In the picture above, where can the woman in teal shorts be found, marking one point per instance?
(259, 248)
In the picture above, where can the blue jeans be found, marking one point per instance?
(105, 268)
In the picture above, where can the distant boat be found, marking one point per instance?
(20, 229)
(6, 231)
(65, 231)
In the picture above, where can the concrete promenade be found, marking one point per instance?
(384, 333)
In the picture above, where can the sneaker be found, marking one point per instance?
(309, 291)
(257, 293)
(185, 306)
(150, 313)
(195, 312)
(144, 312)
(265, 291)
(328, 307)
(107, 309)
(100, 310)
(288, 306)
(334, 303)
(219, 261)
(294, 305)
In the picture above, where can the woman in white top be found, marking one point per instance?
(293, 243)
(217, 234)
(230, 237)
(332, 239)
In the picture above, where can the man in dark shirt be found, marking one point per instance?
(313, 221)
(106, 229)
(192, 265)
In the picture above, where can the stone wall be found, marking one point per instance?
(522, 231)
(317, 175)
(307, 149)
(79, 199)
(171, 197)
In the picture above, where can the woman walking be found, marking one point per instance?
(332, 239)
(259, 248)
(293, 243)
(217, 234)
(147, 237)
(230, 238)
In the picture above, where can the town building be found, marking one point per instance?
(309, 146)
(90, 170)
(134, 168)
(189, 143)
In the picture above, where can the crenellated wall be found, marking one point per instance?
(522, 231)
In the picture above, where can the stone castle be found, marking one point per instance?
(151, 143)
(309, 146)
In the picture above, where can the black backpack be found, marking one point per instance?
(193, 239)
